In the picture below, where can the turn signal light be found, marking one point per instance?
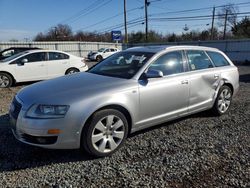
(54, 131)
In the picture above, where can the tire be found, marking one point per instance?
(5, 80)
(72, 71)
(105, 133)
(223, 101)
(99, 58)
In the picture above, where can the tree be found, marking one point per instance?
(59, 32)
(227, 13)
(242, 28)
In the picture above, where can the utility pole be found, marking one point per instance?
(225, 25)
(212, 27)
(125, 22)
(146, 19)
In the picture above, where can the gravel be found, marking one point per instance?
(196, 151)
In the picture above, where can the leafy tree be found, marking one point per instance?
(242, 28)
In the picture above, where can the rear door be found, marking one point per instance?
(107, 53)
(204, 80)
(58, 63)
(35, 67)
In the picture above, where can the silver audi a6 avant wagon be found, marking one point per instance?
(129, 91)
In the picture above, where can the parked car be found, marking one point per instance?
(13, 50)
(38, 65)
(102, 54)
(129, 91)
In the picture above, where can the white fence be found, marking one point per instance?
(237, 50)
(77, 48)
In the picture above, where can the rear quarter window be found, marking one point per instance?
(218, 59)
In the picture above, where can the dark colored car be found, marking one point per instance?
(13, 50)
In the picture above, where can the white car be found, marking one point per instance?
(102, 54)
(38, 65)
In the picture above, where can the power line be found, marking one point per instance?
(81, 12)
(93, 7)
(109, 18)
(190, 18)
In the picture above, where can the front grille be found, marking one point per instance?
(16, 108)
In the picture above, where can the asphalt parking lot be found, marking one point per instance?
(195, 151)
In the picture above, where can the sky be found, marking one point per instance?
(23, 19)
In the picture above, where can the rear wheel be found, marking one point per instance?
(5, 80)
(105, 133)
(223, 101)
(72, 71)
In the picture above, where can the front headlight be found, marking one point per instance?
(47, 111)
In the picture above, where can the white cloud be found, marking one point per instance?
(9, 34)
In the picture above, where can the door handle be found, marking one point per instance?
(184, 82)
(216, 76)
(42, 65)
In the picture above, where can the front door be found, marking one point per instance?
(165, 97)
(31, 67)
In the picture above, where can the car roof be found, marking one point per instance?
(43, 50)
(19, 48)
(156, 49)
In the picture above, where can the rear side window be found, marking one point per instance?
(169, 63)
(198, 60)
(57, 56)
(218, 59)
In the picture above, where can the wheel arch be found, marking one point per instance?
(71, 68)
(11, 75)
(118, 107)
(229, 85)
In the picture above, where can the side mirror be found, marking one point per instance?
(152, 73)
(23, 61)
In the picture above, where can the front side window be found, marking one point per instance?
(34, 57)
(57, 56)
(218, 59)
(198, 60)
(101, 49)
(122, 64)
(169, 63)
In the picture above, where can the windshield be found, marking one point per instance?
(101, 49)
(122, 65)
(12, 57)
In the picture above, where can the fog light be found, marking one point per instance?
(54, 131)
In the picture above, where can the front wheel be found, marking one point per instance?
(5, 80)
(105, 133)
(223, 100)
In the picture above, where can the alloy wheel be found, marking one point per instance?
(224, 100)
(108, 134)
(4, 81)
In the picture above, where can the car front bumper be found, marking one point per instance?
(35, 132)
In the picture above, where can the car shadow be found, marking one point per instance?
(15, 155)
(245, 78)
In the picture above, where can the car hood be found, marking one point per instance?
(69, 88)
